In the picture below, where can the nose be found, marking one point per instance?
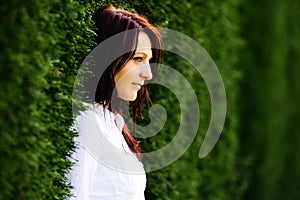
(146, 72)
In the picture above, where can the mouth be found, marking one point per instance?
(138, 85)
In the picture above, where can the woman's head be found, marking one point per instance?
(132, 76)
(143, 46)
(125, 78)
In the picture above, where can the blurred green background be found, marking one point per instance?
(256, 46)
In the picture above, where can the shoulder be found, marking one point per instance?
(95, 123)
(90, 125)
(91, 109)
(92, 115)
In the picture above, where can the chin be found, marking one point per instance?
(133, 97)
(129, 98)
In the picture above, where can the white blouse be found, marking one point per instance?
(105, 167)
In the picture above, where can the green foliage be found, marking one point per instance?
(44, 45)
(41, 50)
(270, 100)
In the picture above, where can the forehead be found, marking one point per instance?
(144, 43)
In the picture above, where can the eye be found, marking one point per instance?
(138, 58)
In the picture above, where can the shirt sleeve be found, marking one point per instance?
(82, 173)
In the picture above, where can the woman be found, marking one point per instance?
(108, 158)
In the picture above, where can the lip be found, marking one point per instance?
(139, 85)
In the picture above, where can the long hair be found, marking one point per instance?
(109, 22)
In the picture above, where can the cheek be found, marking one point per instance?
(127, 76)
(123, 81)
(124, 88)
(124, 71)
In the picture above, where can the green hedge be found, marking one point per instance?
(270, 94)
(42, 47)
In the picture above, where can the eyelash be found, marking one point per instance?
(138, 59)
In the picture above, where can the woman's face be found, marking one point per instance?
(132, 76)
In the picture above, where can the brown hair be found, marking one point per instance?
(111, 21)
